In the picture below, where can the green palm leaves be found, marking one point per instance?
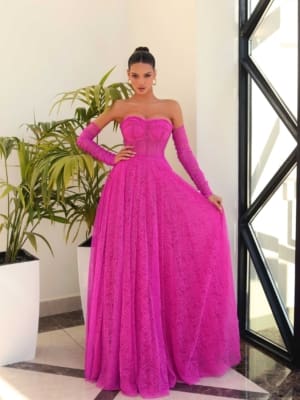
(57, 180)
(75, 176)
(24, 201)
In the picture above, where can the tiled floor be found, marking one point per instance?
(56, 373)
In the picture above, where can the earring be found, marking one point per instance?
(154, 82)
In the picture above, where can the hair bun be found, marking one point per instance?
(141, 55)
(142, 49)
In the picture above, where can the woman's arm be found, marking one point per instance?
(86, 143)
(187, 158)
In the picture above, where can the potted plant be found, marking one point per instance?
(77, 181)
(19, 270)
(75, 176)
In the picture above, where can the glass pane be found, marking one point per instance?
(261, 319)
(275, 229)
(253, 4)
(271, 142)
(273, 47)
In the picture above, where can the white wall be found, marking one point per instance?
(53, 46)
(217, 103)
(48, 47)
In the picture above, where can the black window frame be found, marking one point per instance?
(246, 241)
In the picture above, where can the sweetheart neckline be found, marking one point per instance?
(146, 119)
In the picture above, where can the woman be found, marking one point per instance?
(161, 305)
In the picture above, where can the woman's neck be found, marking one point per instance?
(144, 98)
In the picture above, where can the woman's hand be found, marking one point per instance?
(216, 200)
(124, 154)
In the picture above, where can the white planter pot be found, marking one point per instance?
(83, 258)
(19, 310)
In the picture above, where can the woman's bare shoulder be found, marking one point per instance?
(170, 102)
(120, 108)
(119, 104)
(171, 105)
(113, 113)
(174, 111)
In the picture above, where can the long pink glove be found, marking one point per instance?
(86, 143)
(188, 160)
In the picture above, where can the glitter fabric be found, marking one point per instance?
(161, 303)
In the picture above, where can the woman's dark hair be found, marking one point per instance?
(141, 55)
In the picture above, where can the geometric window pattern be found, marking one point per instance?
(269, 244)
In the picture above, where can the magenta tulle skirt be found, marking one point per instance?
(161, 302)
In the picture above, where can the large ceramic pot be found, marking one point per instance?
(19, 308)
(83, 257)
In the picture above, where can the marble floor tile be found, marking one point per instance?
(77, 333)
(232, 380)
(59, 348)
(270, 374)
(220, 391)
(107, 395)
(60, 321)
(16, 384)
(177, 396)
(57, 372)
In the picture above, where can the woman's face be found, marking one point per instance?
(141, 76)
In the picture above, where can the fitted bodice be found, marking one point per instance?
(148, 136)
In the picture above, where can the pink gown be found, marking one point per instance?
(161, 303)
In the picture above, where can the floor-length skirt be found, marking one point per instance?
(161, 303)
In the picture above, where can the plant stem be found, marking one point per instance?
(8, 199)
(16, 232)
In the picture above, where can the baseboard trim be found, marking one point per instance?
(59, 306)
